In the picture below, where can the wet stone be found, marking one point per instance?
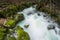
(45, 15)
(38, 14)
(29, 13)
(48, 21)
(26, 26)
(50, 27)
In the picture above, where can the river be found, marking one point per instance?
(38, 25)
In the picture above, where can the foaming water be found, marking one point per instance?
(38, 24)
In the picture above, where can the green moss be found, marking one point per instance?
(10, 23)
(1, 35)
(12, 38)
(9, 37)
(19, 28)
(12, 9)
(2, 30)
(22, 35)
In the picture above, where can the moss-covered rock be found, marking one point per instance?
(19, 17)
(10, 23)
(22, 35)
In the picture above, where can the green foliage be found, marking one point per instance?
(22, 35)
(19, 28)
(12, 38)
(1, 35)
(10, 23)
(20, 16)
(10, 10)
(2, 30)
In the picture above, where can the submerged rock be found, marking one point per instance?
(55, 31)
(38, 14)
(45, 15)
(26, 26)
(29, 13)
(50, 27)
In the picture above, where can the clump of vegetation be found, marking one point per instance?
(12, 38)
(10, 23)
(9, 11)
(22, 35)
(2, 33)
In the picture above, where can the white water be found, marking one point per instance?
(37, 29)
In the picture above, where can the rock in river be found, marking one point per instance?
(51, 27)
